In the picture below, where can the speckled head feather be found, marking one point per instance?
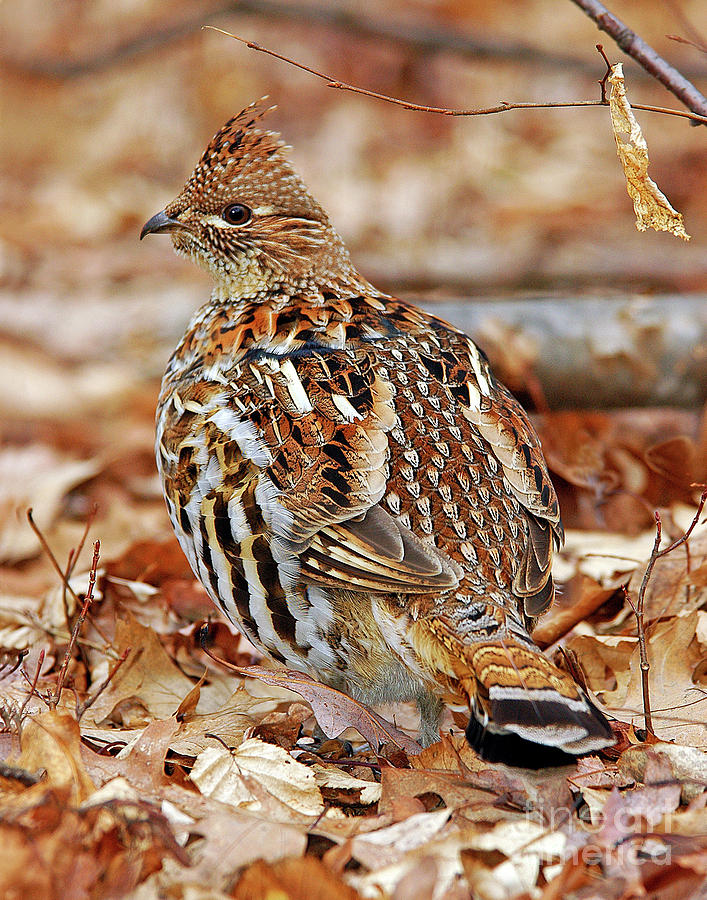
(244, 163)
(285, 233)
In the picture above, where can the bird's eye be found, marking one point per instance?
(236, 214)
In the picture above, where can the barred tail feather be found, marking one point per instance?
(525, 711)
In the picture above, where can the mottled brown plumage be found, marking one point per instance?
(354, 488)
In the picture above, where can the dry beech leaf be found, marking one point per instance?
(52, 741)
(234, 838)
(678, 583)
(148, 680)
(187, 708)
(388, 845)
(612, 667)
(334, 710)
(230, 776)
(399, 786)
(292, 879)
(145, 760)
(357, 791)
(688, 765)
(51, 851)
(526, 845)
(229, 723)
(651, 206)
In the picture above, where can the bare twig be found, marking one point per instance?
(504, 106)
(638, 607)
(60, 572)
(682, 40)
(695, 38)
(80, 710)
(602, 82)
(32, 684)
(635, 47)
(74, 555)
(88, 599)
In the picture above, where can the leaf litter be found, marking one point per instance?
(161, 771)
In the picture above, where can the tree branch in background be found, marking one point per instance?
(426, 38)
(635, 47)
(443, 110)
(694, 39)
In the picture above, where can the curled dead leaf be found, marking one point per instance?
(51, 741)
(651, 206)
(334, 710)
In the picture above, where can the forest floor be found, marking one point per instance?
(158, 771)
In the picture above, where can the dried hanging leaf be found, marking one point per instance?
(335, 711)
(651, 206)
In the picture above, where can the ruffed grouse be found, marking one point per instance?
(354, 488)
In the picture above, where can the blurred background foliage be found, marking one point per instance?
(106, 105)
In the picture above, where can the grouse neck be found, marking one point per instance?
(312, 289)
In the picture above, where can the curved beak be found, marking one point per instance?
(160, 223)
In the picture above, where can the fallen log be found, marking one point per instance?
(591, 352)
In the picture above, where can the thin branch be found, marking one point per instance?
(695, 38)
(48, 550)
(32, 684)
(80, 710)
(635, 47)
(681, 40)
(602, 83)
(88, 599)
(443, 110)
(74, 555)
(638, 607)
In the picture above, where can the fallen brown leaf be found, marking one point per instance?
(334, 710)
(38, 478)
(293, 879)
(239, 776)
(235, 838)
(51, 741)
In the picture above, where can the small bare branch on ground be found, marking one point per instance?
(88, 599)
(638, 606)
